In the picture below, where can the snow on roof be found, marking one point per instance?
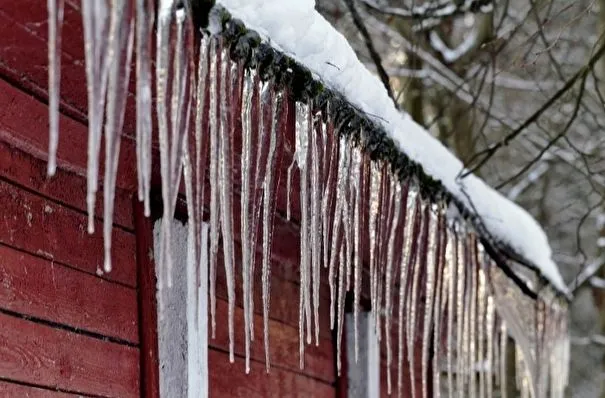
(295, 27)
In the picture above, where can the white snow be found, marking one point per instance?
(296, 28)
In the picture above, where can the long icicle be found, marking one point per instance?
(95, 17)
(452, 263)
(315, 231)
(214, 180)
(262, 101)
(200, 161)
(269, 187)
(120, 45)
(410, 234)
(357, 168)
(248, 90)
(144, 23)
(412, 298)
(375, 185)
(394, 223)
(55, 24)
(429, 291)
(225, 196)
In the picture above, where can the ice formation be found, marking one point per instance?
(436, 297)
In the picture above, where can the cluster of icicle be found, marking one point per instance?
(436, 298)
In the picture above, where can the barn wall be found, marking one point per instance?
(82, 327)
(65, 327)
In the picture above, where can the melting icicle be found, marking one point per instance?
(95, 18)
(144, 24)
(440, 301)
(201, 152)
(395, 200)
(356, 178)
(489, 320)
(412, 298)
(315, 231)
(120, 50)
(429, 292)
(337, 235)
(214, 180)
(331, 151)
(248, 90)
(269, 185)
(55, 23)
(452, 264)
(480, 327)
(263, 93)
(503, 355)
(409, 236)
(460, 311)
(375, 187)
(225, 195)
(472, 320)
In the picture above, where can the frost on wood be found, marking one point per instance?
(446, 314)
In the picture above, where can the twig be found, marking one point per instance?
(482, 157)
(370, 45)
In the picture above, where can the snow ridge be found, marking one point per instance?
(295, 27)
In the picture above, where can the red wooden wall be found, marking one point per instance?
(65, 327)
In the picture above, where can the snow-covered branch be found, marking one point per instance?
(433, 9)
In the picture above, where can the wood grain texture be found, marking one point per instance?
(283, 341)
(38, 354)
(227, 380)
(64, 187)
(43, 228)
(39, 288)
(13, 390)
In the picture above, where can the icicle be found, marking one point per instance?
(472, 320)
(451, 261)
(440, 301)
(144, 24)
(429, 290)
(503, 364)
(481, 326)
(201, 154)
(413, 297)
(385, 217)
(315, 232)
(55, 24)
(330, 184)
(395, 200)
(375, 187)
(225, 194)
(96, 24)
(410, 233)
(489, 320)
(301, 156)
(341, 187)
(356, 177)
(269, 185)
(460, 311)
(214, 180)
(248, 90)
(341, 307)
(120, 52)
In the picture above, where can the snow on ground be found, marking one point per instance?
(295, 27)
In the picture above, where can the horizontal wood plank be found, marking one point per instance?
(43, 228)
(283, 342)
(64, 187)
(10, 390)
(39, 288)
(42, 355)
(227, 380)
